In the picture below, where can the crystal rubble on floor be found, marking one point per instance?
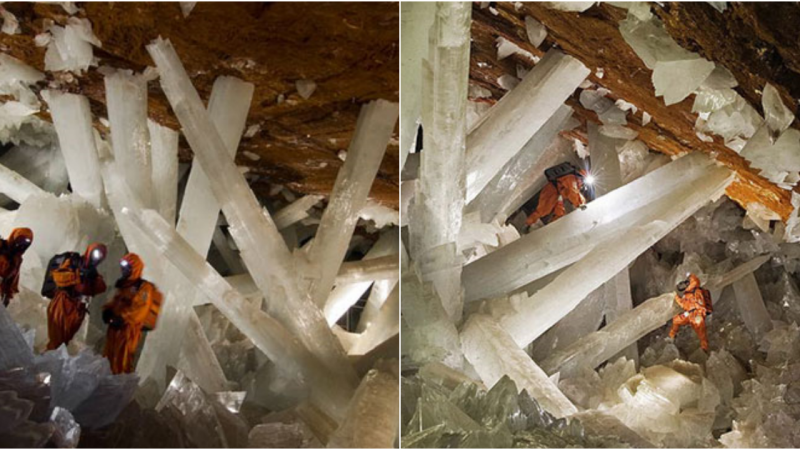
(164, 154)
(72, 118)
(532, 103)
(331, 390)
(374, 128)
(595, 348)
(525, 168)
(415, 21)
(262, 247)
(669, 194)
(372, 415)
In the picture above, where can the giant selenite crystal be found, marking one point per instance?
(493, 354)
(510, 123)
(73, 121)
(372, 416)
(373, 131)
(330, 389)
(262, 247)
(164, 152)
(439, 198)
(669, 194)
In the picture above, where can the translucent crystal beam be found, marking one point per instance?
(73, 122)
(126, 99)
(373, 130)
(295, 212)
(493, 353)
(439, 200)
(595, 348)
(545, 308)
(228, 106)
(565, 241)
(164, 151)
(17, 187)
(606, 170)
(198, 360)
(373, 416)
(369, 269)
(385, 326)
(751, 306)
(511, 123)
(14, 352)
(331, 389)
(262, 247)
(415, 21)
(525, 163)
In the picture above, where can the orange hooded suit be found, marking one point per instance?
(135, 307)
(74, 280)
(551, 198)
(696, 304)
(11, 251)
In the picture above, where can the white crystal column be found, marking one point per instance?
(373, 130)
(493, 353)
(164, 151)
(198, 360)
(595, 348)
(72, 119)
(751, 306)
(295, 212)
(344, 296)
(373, 415)
(671, 191)
(545, 308)
(415, 22)
(502, 132)
(262, 247)
(381, 268)
(126, 99)
(439, 202)
(330, 389)
(17, 187)
(491, 200)
(385, 326)
(228, 106)
(608, 176)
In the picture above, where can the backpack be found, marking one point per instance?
(154, 308)
(556, 172)
(49, 285)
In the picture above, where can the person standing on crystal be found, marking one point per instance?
(696, 304)
(70, 282)
(563, 181)
(134, 308)
(11, 251)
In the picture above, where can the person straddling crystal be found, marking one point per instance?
(564, 181)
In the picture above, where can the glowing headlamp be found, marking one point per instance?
(589, 179)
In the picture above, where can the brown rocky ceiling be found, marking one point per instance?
(349, 49)
(756, 42)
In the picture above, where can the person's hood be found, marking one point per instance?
(94, 255)
(136, 265)
(18, 235)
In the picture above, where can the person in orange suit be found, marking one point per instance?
(11, 251)
(565, 181)
(74, 281)
(696, 304)
(133, 309)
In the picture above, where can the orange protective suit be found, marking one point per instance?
(11, 251)
(551, 198)
(696, 304)
(135, 307)
(74, 281)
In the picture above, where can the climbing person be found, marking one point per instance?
(71, 281)
(11, 251)
(696, 304)
(134, 308)
(564, 181)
